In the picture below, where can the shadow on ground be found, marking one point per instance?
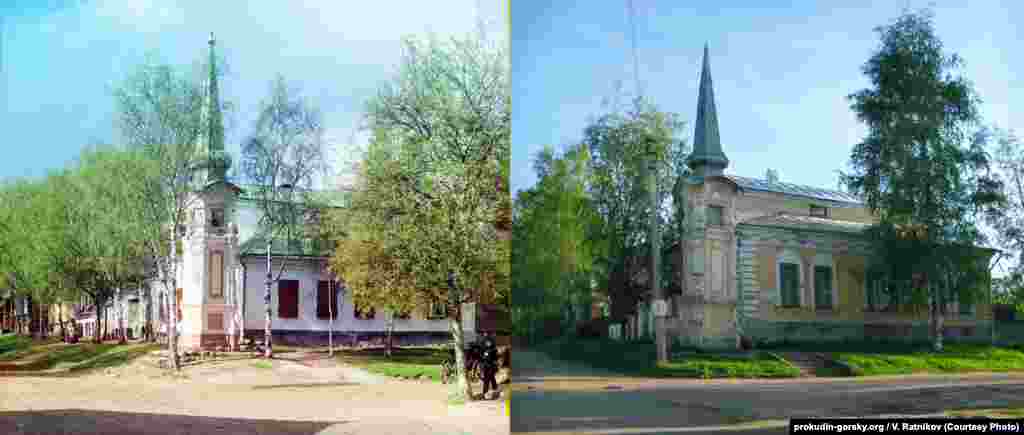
(305, 385)
(79, 421)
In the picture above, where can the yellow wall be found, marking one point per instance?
(718, 320)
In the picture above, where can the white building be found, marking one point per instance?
(223, 271)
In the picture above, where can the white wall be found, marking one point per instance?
(308, 274)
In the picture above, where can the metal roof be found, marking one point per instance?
(795, 190)
(807, 223)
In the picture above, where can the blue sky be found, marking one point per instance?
(781, 73)
(59, 61)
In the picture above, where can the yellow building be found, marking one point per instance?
(766, 261)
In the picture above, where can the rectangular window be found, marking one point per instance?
(714, 215)
(326, 300)
(818, 211)
(966, 306)
(789, 281)
(823, 287)
(216, 274)
(364, 313)
(877, 295)
(288, 299)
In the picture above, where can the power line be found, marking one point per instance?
(636, 60)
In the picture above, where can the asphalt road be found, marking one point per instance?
(575, 399)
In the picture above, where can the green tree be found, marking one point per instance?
(282, 158)
(433, 172)
(922, 169)
(620, 145)
(553, 255)
(158, 112)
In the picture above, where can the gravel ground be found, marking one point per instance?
(228, 397)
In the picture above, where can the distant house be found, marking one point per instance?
(771, 261)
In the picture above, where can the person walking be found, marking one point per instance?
(489, 364)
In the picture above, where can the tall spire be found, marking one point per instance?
(707, 157)
(211, 140)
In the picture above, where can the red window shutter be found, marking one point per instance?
(288, 299)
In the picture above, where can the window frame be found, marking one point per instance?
(281, 313)
(818, 293)
(721, 215)
(782, 289)
(789, 256)
(323, 312)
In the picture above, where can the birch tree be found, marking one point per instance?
(158, 113)
(922, 168)
(283, 157)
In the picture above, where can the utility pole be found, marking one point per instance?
(654, 236)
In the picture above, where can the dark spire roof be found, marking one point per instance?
(211, 141)
(707, 157)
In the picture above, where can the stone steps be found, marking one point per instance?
(808, 363)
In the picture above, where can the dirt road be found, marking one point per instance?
(239, 397)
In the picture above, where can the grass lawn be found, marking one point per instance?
(13, 343)
(405, 362)
(262, 364)
(21, 354)
(639, 359)
(991, 413)
(956, 358)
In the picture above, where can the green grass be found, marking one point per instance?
(262, 364)
(990, 413)
(13, 343)
(405, 362)
(639, 359)
(956, 358)
(24, 355)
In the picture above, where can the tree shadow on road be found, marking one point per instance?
(80, 421)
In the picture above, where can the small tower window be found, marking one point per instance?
(714, 215)
(217, 218)
(818, 211)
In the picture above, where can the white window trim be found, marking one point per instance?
(789, 256)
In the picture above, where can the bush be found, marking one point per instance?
(597, 328)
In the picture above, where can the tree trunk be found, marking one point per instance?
(266, 301)
(147, 330)
(387, 341)
(330, 312)
(936, 319)
(463, 387)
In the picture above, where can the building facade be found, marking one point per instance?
(764, 261)
(222, 273)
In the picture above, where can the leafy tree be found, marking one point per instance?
(282, 157)
(922, 170)
(159, 113)
(432, 173)
(618, 143)
(553, 254)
